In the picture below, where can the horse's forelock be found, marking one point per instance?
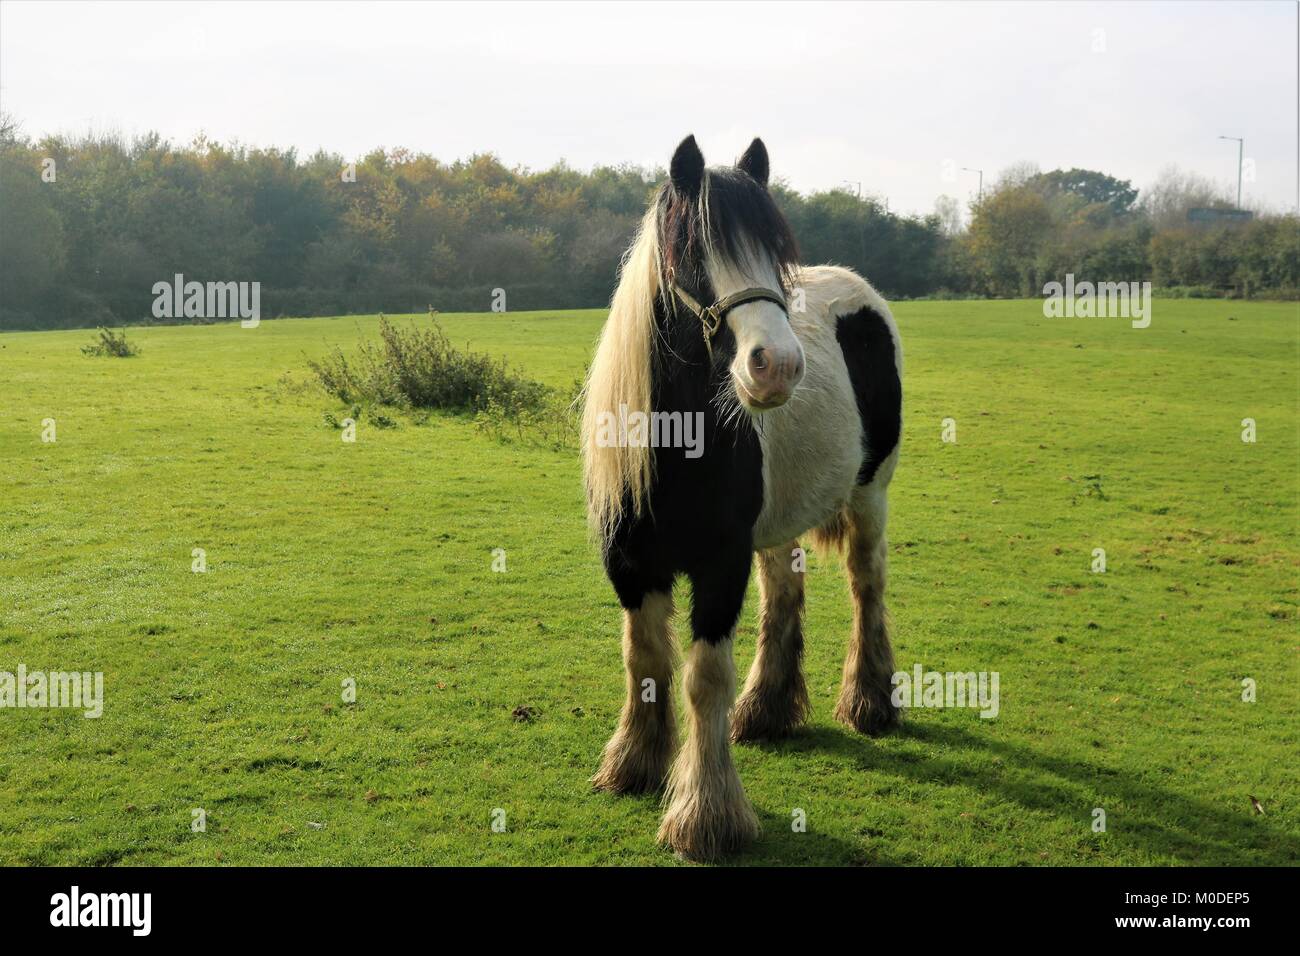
(732, 218)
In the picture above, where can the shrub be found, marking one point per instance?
(111, 343)
(420, 368)
(553, 421)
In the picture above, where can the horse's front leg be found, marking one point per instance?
(636, 758)
(708, 813)
(775, 699)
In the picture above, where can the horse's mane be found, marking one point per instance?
(620, 375)
(732, 218)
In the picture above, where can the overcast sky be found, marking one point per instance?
(894, 96)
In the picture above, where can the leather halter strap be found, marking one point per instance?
(711, 316)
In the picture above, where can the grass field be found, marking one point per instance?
(373, 561)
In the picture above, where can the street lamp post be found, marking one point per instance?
(1241, 147)
(966, 169)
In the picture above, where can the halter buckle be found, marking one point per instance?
(711, 319)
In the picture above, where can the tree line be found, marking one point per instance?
(89, 225)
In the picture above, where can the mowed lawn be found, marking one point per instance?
(373, 562)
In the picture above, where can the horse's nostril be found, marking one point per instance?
(758, 360)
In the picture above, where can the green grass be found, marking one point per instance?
(373, 561)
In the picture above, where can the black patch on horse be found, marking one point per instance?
(701, 511)
(869, 354)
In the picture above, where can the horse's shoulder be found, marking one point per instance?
(838, 291)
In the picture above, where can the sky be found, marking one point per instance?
(896, 97)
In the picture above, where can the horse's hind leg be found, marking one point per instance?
(637, 756)
(865, 701)
(775, 699)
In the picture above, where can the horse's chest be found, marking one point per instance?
(812, 451)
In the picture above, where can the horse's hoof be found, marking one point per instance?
(764, 717)
(619, 786)
(873, 716)
(618, 780)
(629, 768)
(770, 710)
(703, 838)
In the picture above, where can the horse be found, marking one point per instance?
(794, 376)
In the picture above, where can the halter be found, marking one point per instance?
(711, 316)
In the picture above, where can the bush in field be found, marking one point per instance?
(420, 368)
(553, 421)
(111, 343)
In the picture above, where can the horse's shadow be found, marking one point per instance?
(1164, 826)
(780, 845)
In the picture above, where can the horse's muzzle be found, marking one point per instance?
(770, 378)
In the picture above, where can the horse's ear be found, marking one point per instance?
(687, 168)
(754, 162)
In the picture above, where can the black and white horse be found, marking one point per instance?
(794, 374)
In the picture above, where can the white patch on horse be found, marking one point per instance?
(755, 325)
(812, 447)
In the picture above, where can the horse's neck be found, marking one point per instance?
(688, 379)
(684, 374)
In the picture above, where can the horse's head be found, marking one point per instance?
(728, 257)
